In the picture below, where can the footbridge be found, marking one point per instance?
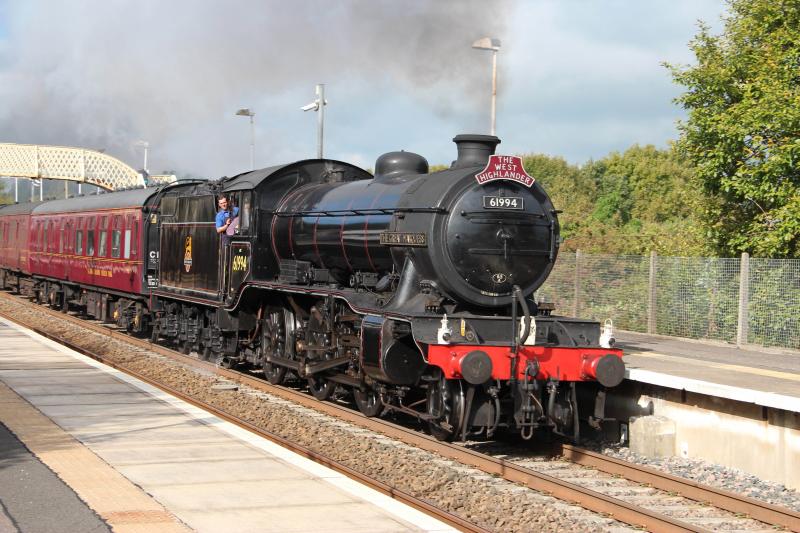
(72, 164)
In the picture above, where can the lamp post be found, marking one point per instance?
(489, 43)
(145, 145)
(246, 112)
(318, 105)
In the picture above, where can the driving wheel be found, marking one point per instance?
(318, 344)
(273, 342)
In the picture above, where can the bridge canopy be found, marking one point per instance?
(72, 164)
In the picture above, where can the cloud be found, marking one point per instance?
(576, 78)
(103, 74)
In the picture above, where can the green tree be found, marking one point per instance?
(626, 203)
(743, 127)
(571, 191)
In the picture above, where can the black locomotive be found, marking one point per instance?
(404, 286)
(413, 290)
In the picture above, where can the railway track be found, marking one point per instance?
(560, 480)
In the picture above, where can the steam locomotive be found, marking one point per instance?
(413, 290)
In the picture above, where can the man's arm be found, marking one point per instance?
(222, 222)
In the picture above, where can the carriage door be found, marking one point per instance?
(90, 244)
(152, 251)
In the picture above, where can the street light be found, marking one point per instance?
(489, 43)
(246, 112)
(318, 105)
(145, 145)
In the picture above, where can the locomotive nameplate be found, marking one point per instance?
(504, 167)
(503, 202)
(402, 238)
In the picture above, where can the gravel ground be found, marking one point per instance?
(714, 475)
(493, 503)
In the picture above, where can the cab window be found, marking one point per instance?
(242, 200)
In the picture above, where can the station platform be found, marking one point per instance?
(105, 451)
(765, 377)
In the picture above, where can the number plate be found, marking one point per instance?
(503, 202)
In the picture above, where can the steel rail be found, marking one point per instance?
(723, 499)
(394, 493)
(586, 498)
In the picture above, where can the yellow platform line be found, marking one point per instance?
(124, 506)
(721, 366)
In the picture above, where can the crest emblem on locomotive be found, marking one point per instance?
(499, 277)
(504, 167)
(187, 254)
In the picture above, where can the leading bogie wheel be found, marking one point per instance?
(273, 373)
(368, 401)
(321, 388)
(445, 408)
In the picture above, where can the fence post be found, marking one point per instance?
(651, 295)
(744, 299)
(575, 302)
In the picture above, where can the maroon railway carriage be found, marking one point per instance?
(14, 234)
(82, 250)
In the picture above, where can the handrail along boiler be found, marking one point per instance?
(414, 290)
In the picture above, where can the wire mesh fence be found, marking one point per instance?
(738, 300)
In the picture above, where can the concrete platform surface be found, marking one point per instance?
(769, 378)
(33, 499)
(188, 469)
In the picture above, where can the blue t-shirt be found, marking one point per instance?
(222, 215)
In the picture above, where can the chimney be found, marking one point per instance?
(474, 150)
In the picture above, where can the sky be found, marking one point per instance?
(576, 78)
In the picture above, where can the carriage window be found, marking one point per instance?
(127, 246)
(70, 242)
(101, 250)
(61, 239)
(67, 233)
(90, 241)
(79, 242)
(134, 239)
(115, 244)
(44, 239)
